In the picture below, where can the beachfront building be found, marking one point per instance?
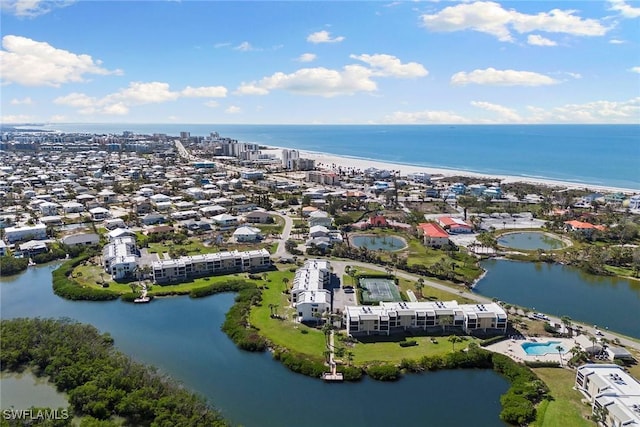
(454, 225)
(120, 257)
(428, 316)
(433, 235)
(308, 292)
(19, 234)
(614, 395)
(323, 177)
(187, 267)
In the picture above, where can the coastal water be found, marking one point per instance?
(591, 154)
(24, 390)
(182, 337)
(608, 302)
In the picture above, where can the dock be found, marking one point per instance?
(334, 375)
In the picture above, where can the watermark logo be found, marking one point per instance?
(35, 414)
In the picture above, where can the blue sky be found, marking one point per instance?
(431, 62)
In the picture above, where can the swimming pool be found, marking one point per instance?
(540, 348)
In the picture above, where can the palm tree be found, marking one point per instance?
(285, 282)
(559, 348)
(453, 339)
(420, 286)
(566, 321)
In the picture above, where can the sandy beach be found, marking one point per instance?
(334, 161)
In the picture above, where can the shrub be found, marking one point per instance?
(384, 372)
(408, 343)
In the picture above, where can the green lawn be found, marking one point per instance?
(390, 351)
(89, 275)
(186, 287)
(433, 294)
(566, 408)
(285, 333)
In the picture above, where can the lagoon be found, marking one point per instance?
(182, 337)
(24, 390)
(560, 290)
(378, 243)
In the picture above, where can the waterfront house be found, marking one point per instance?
(3, 248)
(433, 235)
(611, 392)
(585, 228)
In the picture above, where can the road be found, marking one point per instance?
(286, 233)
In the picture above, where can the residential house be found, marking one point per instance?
(320, 218)
(584, 228)
(258, 217)
(49, 208)
(120, 257)
(120, 233)
(225, 221)
(33, 247)
(3, 248)
(99, 213)
(72, 207)
(247, 234)
(153, 218)
(112, 224)
(318, 231)
(81, 239)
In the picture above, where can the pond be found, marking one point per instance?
(24, 390)
(379, 243)
(530, 240)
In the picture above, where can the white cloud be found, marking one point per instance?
(137, 93)
(388, 65)
(244, 47)
(15, 118)
(223, 44)
(204, 92)
(323, 37)
(424, 117)
(611, 112)
(307, 57)
(625, 10)
(635, 69)
(233, 109)
(538, 40)
(617, 41)
(32, 63)
(315, 81)
(24, 101)
(32, 8)
(491, 18)
(506, 114)
(491, 76)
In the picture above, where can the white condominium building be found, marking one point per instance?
(120, 257)
(187, 267)
(308, 293)
(433, 316)
(614, 395)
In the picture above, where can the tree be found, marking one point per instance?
(420, 286)
(559, 348)
(285, 282)
(566, 321)
(453, 339)
(349, 355)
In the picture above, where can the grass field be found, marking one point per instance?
(566, 408)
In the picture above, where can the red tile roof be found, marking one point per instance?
(432, 230)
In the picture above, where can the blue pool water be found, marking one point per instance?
(539, 348)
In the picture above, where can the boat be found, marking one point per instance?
(142, 300)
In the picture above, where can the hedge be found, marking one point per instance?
(70, 289)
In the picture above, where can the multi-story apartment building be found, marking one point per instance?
(187, 267)
(308, 292)
(430, 316)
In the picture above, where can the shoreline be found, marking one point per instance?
(405, 169)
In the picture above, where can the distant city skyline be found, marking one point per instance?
(296, 62)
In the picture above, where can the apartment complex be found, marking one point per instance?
(187, 267)
(120, 257)
(308, 292)
(430, 316)
(614, 395)
(18, 234)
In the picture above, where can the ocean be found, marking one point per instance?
(607, 155)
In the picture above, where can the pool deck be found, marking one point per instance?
(513, 349)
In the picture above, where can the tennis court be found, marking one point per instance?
(376, 289)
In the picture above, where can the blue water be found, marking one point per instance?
(375, 243)
(592, 154)
(539, 349)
